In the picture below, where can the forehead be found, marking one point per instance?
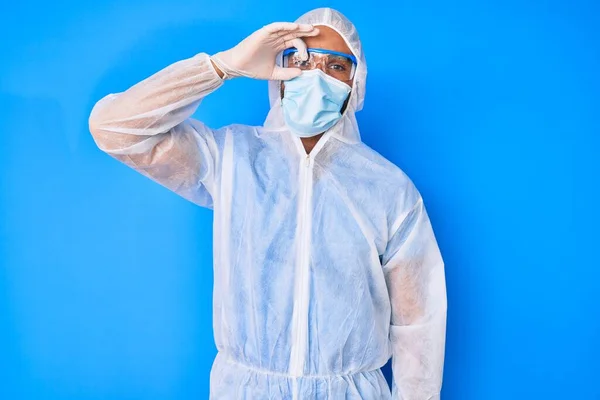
(328, 39)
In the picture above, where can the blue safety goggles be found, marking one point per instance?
(339, 65)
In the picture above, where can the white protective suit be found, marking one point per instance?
(325, 264)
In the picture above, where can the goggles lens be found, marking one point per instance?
(335, 64)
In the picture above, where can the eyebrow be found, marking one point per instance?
(338, 57)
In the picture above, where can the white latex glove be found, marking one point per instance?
(254, 57)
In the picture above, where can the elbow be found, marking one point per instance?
(94, 126)
(99, 135)
(98, 125)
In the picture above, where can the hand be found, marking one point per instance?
(254, 57)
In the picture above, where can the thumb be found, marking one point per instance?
(285, 74)
(301, 47)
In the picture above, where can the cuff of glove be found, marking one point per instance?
(217, 70)
(227, 71)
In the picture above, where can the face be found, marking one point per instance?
(327, 39)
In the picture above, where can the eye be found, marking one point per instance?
(300, 64)
(337, 67)
(339, 64)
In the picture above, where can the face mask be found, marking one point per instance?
(312, 102)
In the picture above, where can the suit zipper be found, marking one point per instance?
(302, 315)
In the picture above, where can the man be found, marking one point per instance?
(325, 261)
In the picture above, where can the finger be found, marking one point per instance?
(292, 35)
(306, 27)
(285, 74)
(280, 26)
(287, 27)
(287, 41)
(300, 46)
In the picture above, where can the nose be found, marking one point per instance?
(320, 65)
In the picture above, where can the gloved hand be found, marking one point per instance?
(254, 57)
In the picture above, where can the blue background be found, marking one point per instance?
(492, 108)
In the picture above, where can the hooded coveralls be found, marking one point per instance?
(325, 264)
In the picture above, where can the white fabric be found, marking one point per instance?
(325, 264)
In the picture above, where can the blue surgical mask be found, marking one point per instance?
(312, 102)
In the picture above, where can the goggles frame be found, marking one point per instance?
(351, 57)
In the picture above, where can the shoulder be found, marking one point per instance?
(235, 135)
(398, 191)
(385, 171)
(247, 133)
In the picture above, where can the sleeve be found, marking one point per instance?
(148, 127)
(414, 273)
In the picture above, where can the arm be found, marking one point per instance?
(148, 127)
(414, 272)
